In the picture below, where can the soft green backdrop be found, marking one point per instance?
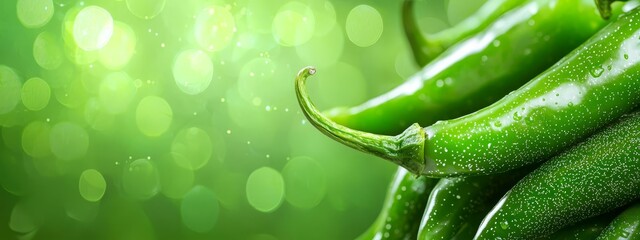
(176, 119)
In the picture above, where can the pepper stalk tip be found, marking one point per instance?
(405, 149)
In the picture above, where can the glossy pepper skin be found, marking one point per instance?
(589, 179)
(457, 205)
(408, 227)
(427, 47)
(479, 70)
(401, 212)
(625, 226)
(588, 88)
(489, 12)
(588, 229)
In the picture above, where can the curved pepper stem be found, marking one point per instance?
(604, 6)
(423, 50)
(405, 149)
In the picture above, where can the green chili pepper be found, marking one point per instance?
(489, 12)
(481, 69)
(457, 205)
(401, 212)
(427, 47)
(589, 179)
(583, 230)
(590, 87)
(624, 226)
(587, 229)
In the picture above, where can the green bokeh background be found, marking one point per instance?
(129, 144)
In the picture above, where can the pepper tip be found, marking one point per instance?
(307, 71)
(406, 149)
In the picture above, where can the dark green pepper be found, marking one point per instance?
(584, 230)
(624, 226)
(517, 32)
(481, 69)
(457, 205)
(590, 87)
(401, 212)
(488, 13)
(427, 47)
(408, 228)
(591, 178)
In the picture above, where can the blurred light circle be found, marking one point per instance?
(191, 148)
(325, 15)
(153, 116)
(364, 25)
(256, 79)
(175, 180)
(35, 94)
(67, 25)
(34, 13)
(22, 219)
(92, 28)
(96, 116)
(71, 49)
(214, 29)
(68, 141)
(323, 51)
(294, 24)
(305, 182)
(116, 92)
(265, 189)
(92, 185)
(47, 51)
(145, 9)
(199, 209)
(193, 71)
(10, 87)
(120, 48)
(35, 139)
(140, 179)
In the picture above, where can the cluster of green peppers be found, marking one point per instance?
(579, 115)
